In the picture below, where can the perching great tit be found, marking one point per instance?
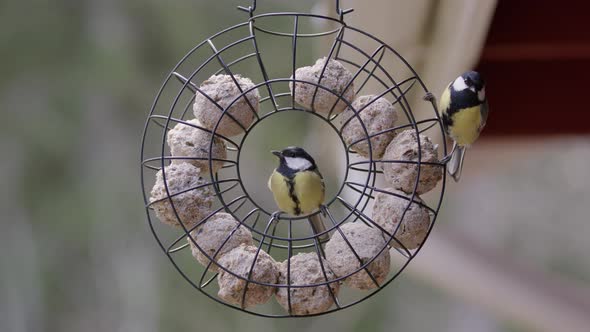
(463, 108)
(298, 186)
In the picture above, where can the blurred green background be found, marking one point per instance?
(77, 81)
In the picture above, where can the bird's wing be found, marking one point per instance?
(445, 100)
(269, 184)
(317, 171)
(484, 114)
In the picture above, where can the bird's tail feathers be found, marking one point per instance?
(455, 165)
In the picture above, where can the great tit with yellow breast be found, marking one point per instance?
(298, 186)
(463, 108)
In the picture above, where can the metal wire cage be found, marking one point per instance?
(258, 48)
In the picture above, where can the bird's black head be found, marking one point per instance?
(295, 158)
(473, 79)
(470, 87)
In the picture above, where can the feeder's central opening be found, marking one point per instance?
(290, 128)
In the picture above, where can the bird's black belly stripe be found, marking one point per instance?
(291, 185)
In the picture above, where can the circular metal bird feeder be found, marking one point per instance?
(247, 47)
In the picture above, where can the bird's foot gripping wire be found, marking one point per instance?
(429, 96)
(324, 208)
(446, 159)
(276, 215)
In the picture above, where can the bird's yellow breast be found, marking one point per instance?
(309, 188)
(466, 125)
(279, 187)
(302, 195)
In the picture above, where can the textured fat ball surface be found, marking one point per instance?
(368, 243)
(191, 197)
(223, 90)
(388, 211)
(211, 236)
(192, 142)
(335, 80)
(378, 116)
(400, 166)
(239, 261)
(305, 269)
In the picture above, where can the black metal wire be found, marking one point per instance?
(235, 197)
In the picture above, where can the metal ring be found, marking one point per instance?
(159, 122)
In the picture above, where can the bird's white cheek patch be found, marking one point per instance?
(459, 84)
(481, 95)
(297, 163)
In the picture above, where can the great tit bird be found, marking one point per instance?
(298, 186)
(463, 108)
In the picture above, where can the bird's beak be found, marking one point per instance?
(277, 153)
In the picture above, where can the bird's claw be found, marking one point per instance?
(429, 97)
(323, 208)
(276, 215)
(446, 159)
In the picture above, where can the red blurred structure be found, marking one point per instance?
(536, 62)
